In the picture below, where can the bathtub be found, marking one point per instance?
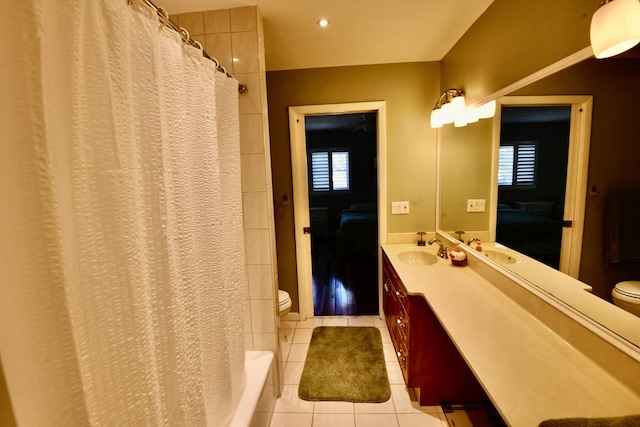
(257, 401)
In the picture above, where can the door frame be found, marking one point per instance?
(298, 145)
(577, 170)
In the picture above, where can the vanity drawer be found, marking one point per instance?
(401, 294)
(403, 359)
(401, 323)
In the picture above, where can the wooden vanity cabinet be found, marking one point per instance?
(428, 358)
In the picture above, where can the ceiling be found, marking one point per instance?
(360, 32)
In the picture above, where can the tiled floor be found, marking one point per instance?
(399, 411)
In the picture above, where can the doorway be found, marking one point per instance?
(559, 211)
(306, 209)
(342, 188)
(532, 174)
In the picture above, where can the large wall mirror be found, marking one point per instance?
(469, 164)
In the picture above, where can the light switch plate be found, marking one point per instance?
(476, 205)
(400, 208)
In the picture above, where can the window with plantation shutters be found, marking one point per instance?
(329, 170)
(517, 164)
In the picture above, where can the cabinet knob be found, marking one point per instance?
(400, 356)
(399, 294)
(399, 322)
(386, 286)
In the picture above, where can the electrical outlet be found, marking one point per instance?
(400, 208)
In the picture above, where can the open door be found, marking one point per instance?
(302, 219)
(577, 171)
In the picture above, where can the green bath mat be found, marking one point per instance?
(345, 364)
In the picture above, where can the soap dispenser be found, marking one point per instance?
(421, 234)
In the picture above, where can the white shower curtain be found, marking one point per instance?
(122, 275)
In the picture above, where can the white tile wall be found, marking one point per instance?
(216, 21)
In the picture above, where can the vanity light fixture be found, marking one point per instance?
(449, 107)
(472, 116)
(486, 111)
(615, 27)
(323, 22)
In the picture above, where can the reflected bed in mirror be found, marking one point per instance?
(469, 156)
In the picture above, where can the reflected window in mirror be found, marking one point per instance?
(517, 164)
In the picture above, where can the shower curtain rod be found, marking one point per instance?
(164, 17)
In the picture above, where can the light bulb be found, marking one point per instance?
(471, 116)
(436, 118)
(487, 110)
(459, 121)
(458, 105)
(446, 115)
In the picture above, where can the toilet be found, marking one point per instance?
(626, 295)
(284, 303)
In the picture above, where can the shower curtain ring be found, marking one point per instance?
(165, 17)
(199, 46)
(185, 35)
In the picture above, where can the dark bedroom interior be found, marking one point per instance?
(530, 216)
(344, 221)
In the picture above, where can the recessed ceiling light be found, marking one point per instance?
(323, 22)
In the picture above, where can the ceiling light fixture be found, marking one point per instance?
(323, 22)
(615, 27)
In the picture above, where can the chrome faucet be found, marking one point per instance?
(471, 240)
(442, 251)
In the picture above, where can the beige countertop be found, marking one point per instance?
(572, 292)
(528, 371)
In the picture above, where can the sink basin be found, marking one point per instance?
(417, 258)
(501, 257)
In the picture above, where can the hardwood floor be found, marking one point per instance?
(343, 286)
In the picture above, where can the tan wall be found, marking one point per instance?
(513, 39)
(614, 154)
(6, 411)
(410, 91)
(466, 169)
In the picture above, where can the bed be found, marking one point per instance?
(357, 232)
(536, 236)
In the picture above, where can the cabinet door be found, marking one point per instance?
(389, 302)
(394, 305)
